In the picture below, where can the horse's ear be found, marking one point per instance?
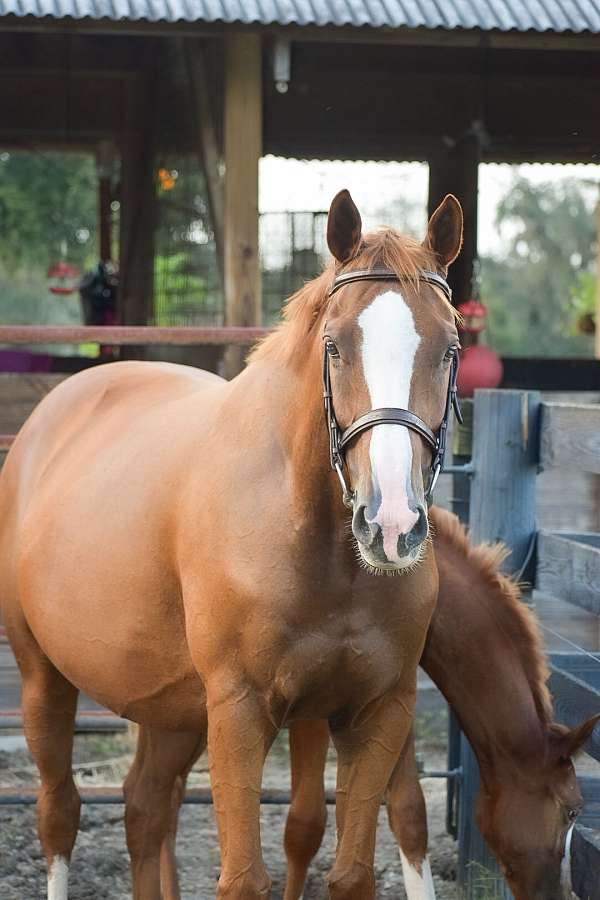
(445, 230)
(344, 227)
(569, 741)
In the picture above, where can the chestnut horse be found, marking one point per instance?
(177, 547)
(484, 652)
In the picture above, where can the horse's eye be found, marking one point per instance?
(331, 348)
(451, 352)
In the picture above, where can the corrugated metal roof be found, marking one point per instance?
(521, 15)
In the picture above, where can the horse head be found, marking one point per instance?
(391, 347)
(527, 817)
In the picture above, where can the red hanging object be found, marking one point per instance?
(63, 278)
(480, 366)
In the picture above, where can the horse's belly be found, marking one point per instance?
(113, 624)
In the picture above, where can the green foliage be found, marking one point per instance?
(583, 300)
(187, 289)
(48, 209)
(183, 294)
(530, 291)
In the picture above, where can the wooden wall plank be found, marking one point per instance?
(570, 436)
(569, 569)
(19, 395)
(576, 698)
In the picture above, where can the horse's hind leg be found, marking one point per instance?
(169, 880)
(307, 817)
(407, 816)
(152, 796)
(49, 705)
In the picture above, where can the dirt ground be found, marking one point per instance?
(100, 865)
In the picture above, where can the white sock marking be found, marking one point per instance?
(389, 346)
(418, 885)
(58, 878)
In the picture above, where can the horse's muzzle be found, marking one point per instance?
(370, 538)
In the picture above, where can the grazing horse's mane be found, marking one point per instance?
(516, 620)
(303, 310)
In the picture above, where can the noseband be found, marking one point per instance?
(339, 440)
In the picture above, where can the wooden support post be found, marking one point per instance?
(208, 146)
(138, 206)
(505, 462)
(456, 171)
(243, 148)
(104, 162)
(104, 218)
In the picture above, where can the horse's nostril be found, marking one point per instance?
(418, 532)
(364, 531)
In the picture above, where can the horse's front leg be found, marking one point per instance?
(240, 733)
(367, 753)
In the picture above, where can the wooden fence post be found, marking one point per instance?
(505, 463)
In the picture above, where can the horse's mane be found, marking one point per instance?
(304, 309)
(517, 620)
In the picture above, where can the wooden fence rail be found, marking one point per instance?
(122, 335)
(570, 436)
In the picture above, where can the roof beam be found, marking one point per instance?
(435, 37)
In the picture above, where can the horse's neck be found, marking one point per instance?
(480, 671)
(287, 400)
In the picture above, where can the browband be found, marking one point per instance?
(381, 273)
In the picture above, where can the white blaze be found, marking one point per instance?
(389, 346)
(418, 885)
(58, 878)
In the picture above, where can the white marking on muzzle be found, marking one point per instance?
(417, 884)
(58, 879)
(566, 882)
(389, 346)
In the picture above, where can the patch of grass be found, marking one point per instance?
(484, 884)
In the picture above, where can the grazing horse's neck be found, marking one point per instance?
(480, 669)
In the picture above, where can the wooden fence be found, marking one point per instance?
(514, 436)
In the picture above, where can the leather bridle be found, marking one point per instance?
(339, 440)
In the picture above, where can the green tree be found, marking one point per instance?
(48, 209)
(530, 292)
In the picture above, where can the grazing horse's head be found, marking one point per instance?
(390, 344)
(527, 818)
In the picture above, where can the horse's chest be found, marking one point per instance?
(324, 671)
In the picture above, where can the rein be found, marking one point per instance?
(339, 440)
